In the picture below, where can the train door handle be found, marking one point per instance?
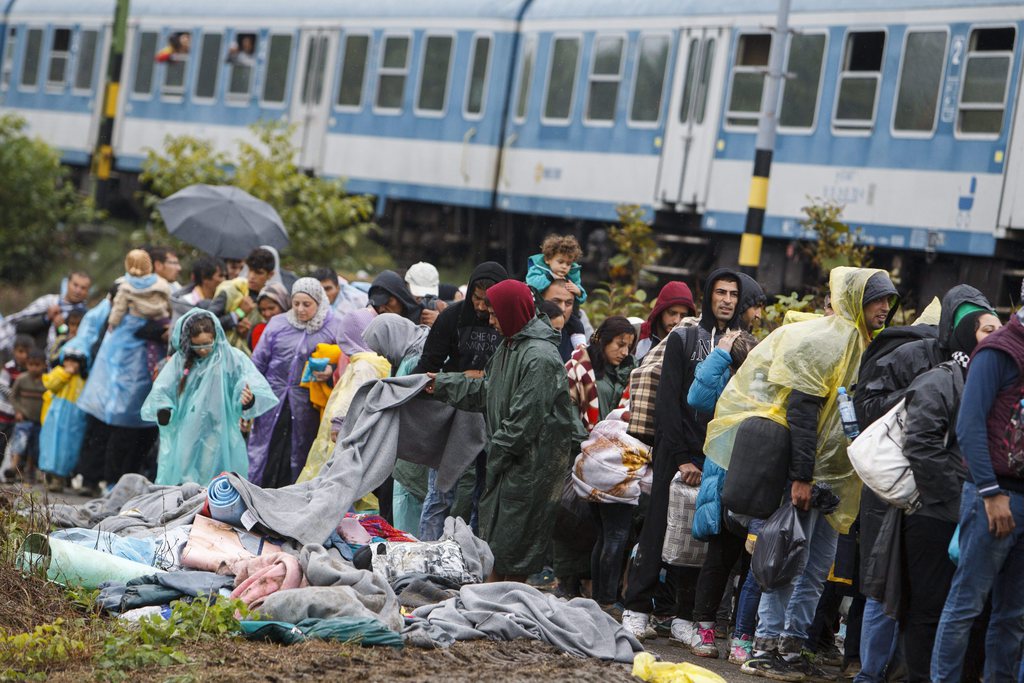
(509, 141)
(464, 166)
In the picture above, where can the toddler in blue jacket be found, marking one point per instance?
(557, 261)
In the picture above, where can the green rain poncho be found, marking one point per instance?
(816, 357)
(203, 437)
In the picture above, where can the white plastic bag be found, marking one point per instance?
(877, 456)
(681, 549)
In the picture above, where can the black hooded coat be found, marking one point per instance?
(459, 339)
(392, 283)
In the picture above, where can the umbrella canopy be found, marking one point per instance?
(222, 220)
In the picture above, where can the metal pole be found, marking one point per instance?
(103, 155)
(750, 243)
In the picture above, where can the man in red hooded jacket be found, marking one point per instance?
(674, 302)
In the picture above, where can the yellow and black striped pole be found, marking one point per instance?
(757, 201)
(103, 155)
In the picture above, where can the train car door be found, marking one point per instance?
(692, 126)
(318, 49)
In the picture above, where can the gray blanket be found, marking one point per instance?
(337, 589)
(134, 507)
(475, 551)
(363, 458)
(507, 610)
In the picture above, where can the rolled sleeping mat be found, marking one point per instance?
(225, 503)
(77, 566)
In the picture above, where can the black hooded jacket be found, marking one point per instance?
(751, 295)
(459, 339)
(392, 283)
(900, 354)
(679, 430)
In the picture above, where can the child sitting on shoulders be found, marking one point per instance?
(142, 293)
(557, 261)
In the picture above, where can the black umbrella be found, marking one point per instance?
(222, 220)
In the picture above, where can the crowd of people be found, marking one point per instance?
(598, 441)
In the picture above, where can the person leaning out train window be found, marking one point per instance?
(243, 51)
(178, 47)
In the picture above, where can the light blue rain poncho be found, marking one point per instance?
(202, 438)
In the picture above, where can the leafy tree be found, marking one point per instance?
(622, 293)
(832, 242)
(324, 223)
(40, 207)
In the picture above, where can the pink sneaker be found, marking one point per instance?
(705, 647)
(740, 649)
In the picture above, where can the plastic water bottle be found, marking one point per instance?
(759, 388)
(848, 415)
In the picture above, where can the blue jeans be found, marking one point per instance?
(750, 595)
(789, 611)
(877, 643)
(436, 508)
(986, 564)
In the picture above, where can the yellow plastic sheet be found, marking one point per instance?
(647, 668)
(931, 314)
(816, 357)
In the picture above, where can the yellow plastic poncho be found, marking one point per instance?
(816, 357)
(362, 367)
(320, 392)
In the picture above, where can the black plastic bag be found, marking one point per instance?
(756, 479)
(780, 553)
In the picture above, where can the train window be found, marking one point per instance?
(30, 65)
(704, 84)
(565, 60)
(748, 79)
(605, 77)
(649, 80)
(437, 61)
(526, 77)
(60, 56)
(476, 90)
(316, 64)
(698, 74)
(144, 64)
(8, 65)
(175, 56)
(800, 89)
(209, 66)
(242, 60)
(275, 78)
(353, 71)
(394, 67)
(986, 81)
(917, 99)
(85, 66)
(857, 96)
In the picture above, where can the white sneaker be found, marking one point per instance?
(684, 633)
(639, 624)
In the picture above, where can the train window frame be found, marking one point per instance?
(857, 127)
(618, 78)
(34, 85)
(524, 78)
(471, 69)
(635, 78)
(138, 37)
(729, 116)
(289, 67)
(53, 54)
(239, 98)
(710, 46)
(696, 84)
(805, 130)
(552, 41)
(393, 71)
(218, 53)
(96, 59)
(420, 76)
(919, 134)
(177, 93)
(1012, 54)
(10, 52)
(352, 108)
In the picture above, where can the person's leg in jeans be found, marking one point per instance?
(821, 552)
(436, 507)
(613, 520)
(1006, 626)
(927, 577)
(877, 643)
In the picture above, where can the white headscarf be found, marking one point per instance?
(314, 290)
